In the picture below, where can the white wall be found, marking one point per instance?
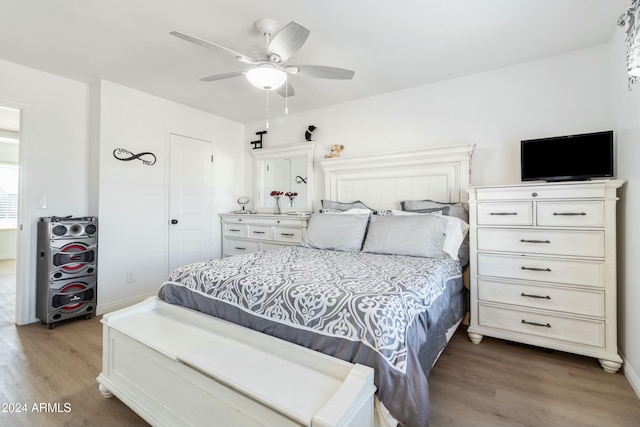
(80, 178)
(627, 112)
(495, 110)
(132, 198)
(582, 91)
(55, 131)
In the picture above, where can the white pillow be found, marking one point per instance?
(455, 232)
(334, 231)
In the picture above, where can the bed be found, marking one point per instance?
(362, 288)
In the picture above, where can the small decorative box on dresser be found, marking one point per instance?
(245, 233)
(543, 266)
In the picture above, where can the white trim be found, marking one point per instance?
(630, 374)
(118, 305)
(25, 288)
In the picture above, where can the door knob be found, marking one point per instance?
(174, 221)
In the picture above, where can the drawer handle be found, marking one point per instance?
(536, 324)
(503, 213)
(240, 249)
(534, 241)
(535, 296)
(258, 232)
(287, 234)
(234, 229)
(535, 268)
(570, 214)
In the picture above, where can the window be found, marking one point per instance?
(8, 196)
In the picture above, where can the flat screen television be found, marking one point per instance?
(567, 158)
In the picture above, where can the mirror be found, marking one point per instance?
(243, 201)
(288, 168)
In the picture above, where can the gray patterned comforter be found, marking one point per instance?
(385, 311)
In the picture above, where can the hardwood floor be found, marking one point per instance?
(51, 374)
(495, 383)
(48, 376)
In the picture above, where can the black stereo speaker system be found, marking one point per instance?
(67, 268)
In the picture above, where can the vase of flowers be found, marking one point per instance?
(292, 198)
(276, 196)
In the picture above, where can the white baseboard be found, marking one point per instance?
(631, 375)
(107, 308)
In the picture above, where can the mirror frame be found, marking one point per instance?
(300, 149)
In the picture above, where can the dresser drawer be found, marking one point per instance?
(259, 232)
(551, 270)
(536, 241)
(570, 300)
(582, 331)
(237, 230)
(238, 247)
(283, 234)
(516, 213)
(533, 192)
(571, 214)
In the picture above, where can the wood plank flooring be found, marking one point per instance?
(490, 384)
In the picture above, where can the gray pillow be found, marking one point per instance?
(419, 235)
(459, 210)
(331, 204)
(338, 232)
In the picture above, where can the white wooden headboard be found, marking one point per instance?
(382, 181)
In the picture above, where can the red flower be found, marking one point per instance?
(276, 193)
(290, 195)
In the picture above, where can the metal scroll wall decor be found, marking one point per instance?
(147, 158)
(257, 144)
(631, 19)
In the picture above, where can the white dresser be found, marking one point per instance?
(245, 233)
(543, 266)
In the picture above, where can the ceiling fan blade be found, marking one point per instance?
(222, 76)
(320, 72)
(288, 40)
(240, 57)
(286, 90)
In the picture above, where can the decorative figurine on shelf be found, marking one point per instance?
(292, 197)
(335, 151)
(309, 132)
(276, 195)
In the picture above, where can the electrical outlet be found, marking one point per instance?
(131, 277)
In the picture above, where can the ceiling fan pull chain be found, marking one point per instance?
(267, 125)
(286, 97)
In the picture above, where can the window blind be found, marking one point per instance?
(8, 196)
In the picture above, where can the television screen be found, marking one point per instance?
(565, 158)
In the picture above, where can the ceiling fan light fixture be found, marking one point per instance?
(266, 77)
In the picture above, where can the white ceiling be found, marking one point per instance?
(391, 45)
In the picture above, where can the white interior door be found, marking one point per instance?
(190, 201)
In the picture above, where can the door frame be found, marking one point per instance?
(24, 290)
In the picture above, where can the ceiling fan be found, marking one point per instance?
(270, 68)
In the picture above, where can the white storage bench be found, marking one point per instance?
(177, 367)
